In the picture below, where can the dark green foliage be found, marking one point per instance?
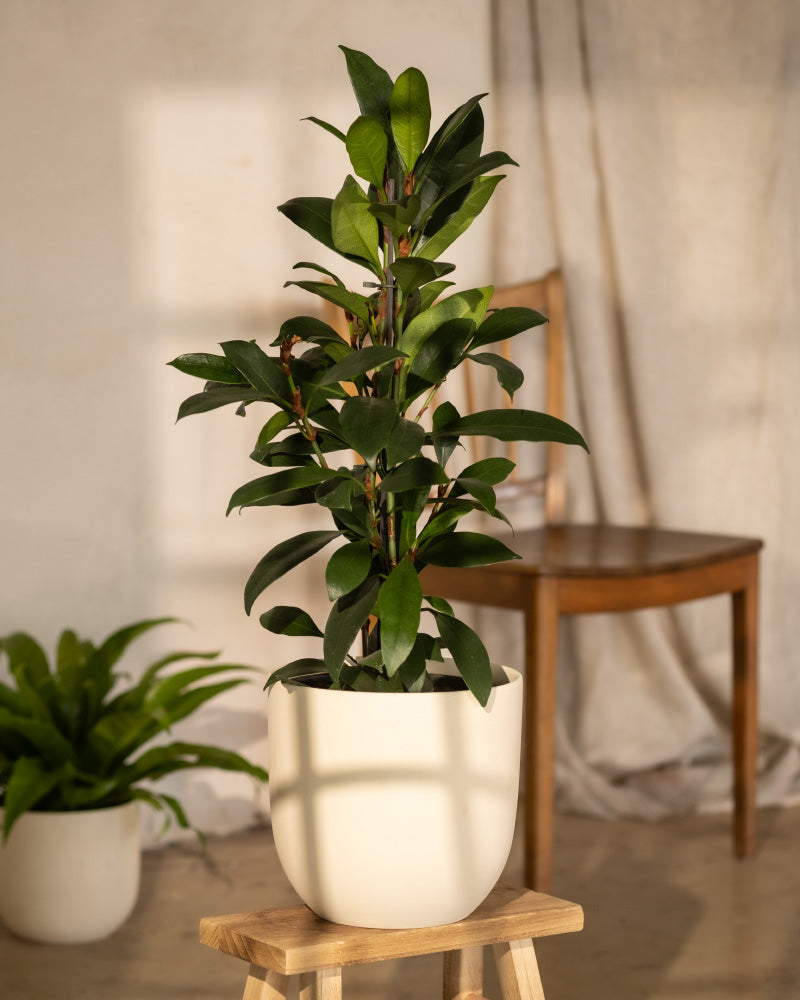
(79, 734)
(366, 399)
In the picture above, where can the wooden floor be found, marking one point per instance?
(669, 914)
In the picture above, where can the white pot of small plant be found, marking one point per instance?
(394, 810)
(81, 744)
(71, 877)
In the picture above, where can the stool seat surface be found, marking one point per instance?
(292, 939)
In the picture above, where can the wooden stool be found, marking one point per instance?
(292, 941)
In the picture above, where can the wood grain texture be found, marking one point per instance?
(324, 984)
(463, 973)
(262, 984)
(519, 971)
(294, 940)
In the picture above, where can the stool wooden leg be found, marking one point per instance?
(265, 985)
(324, 984)
(463, 974)
(519, 971)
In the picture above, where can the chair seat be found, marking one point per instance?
(614, 550)
(635, 567)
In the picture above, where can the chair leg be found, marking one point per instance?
(745, 713)
(518, 971)
(541, 652)
(265, 985)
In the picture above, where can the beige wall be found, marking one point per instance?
(145, 146)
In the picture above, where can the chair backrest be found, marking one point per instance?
(545, 295)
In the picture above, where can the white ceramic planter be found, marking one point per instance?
(394, 810)
(71, 877)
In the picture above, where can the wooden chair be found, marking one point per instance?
(588, 568)
(583, 569)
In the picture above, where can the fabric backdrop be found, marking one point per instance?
(659, 145)
(148, 145)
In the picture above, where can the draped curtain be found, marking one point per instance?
(659, 168)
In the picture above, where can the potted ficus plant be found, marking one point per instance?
(356, 429)
(81, 745)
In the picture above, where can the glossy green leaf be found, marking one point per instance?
(440, 353)
(460, 178)
(282, 558)
(132, 698)
(327, 126)
(339, 492)
(278, 422)
(439, 604)
(212, 399)
(163, 760)
(410, 116)
(478, 198)
(405, 441)
(412, 672)
(309, 329)
(313, 216)
(354, 228)
(470, 304)
(168, 804)
(444, 443)
(413, 474)
(347, 568)
(263, 372)
(41, 736)
(465, 548)
(177, 697)
(430, 293)
(300, 265)
(287, 620)
(351, 301)
(399, 606)
(367, 146)
(509, 375)
(211, 367)
(397, 216)
(275, 489)
(493, 470)
(445, 518)
(513, 425)
(28, 783)
(26, 658)
(344, 623)
(455, 132)
(372, 85)
(293, 450)
(469, 654)
(367, 424)
(296, 670)
(413, 272)
(482, 492)
(502, 324)
(360, 362)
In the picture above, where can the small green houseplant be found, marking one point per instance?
(398, 505)
(79, 735)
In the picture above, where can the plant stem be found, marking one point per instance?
(390, 338)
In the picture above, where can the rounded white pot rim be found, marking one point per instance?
(75, 812)
(501, 676)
